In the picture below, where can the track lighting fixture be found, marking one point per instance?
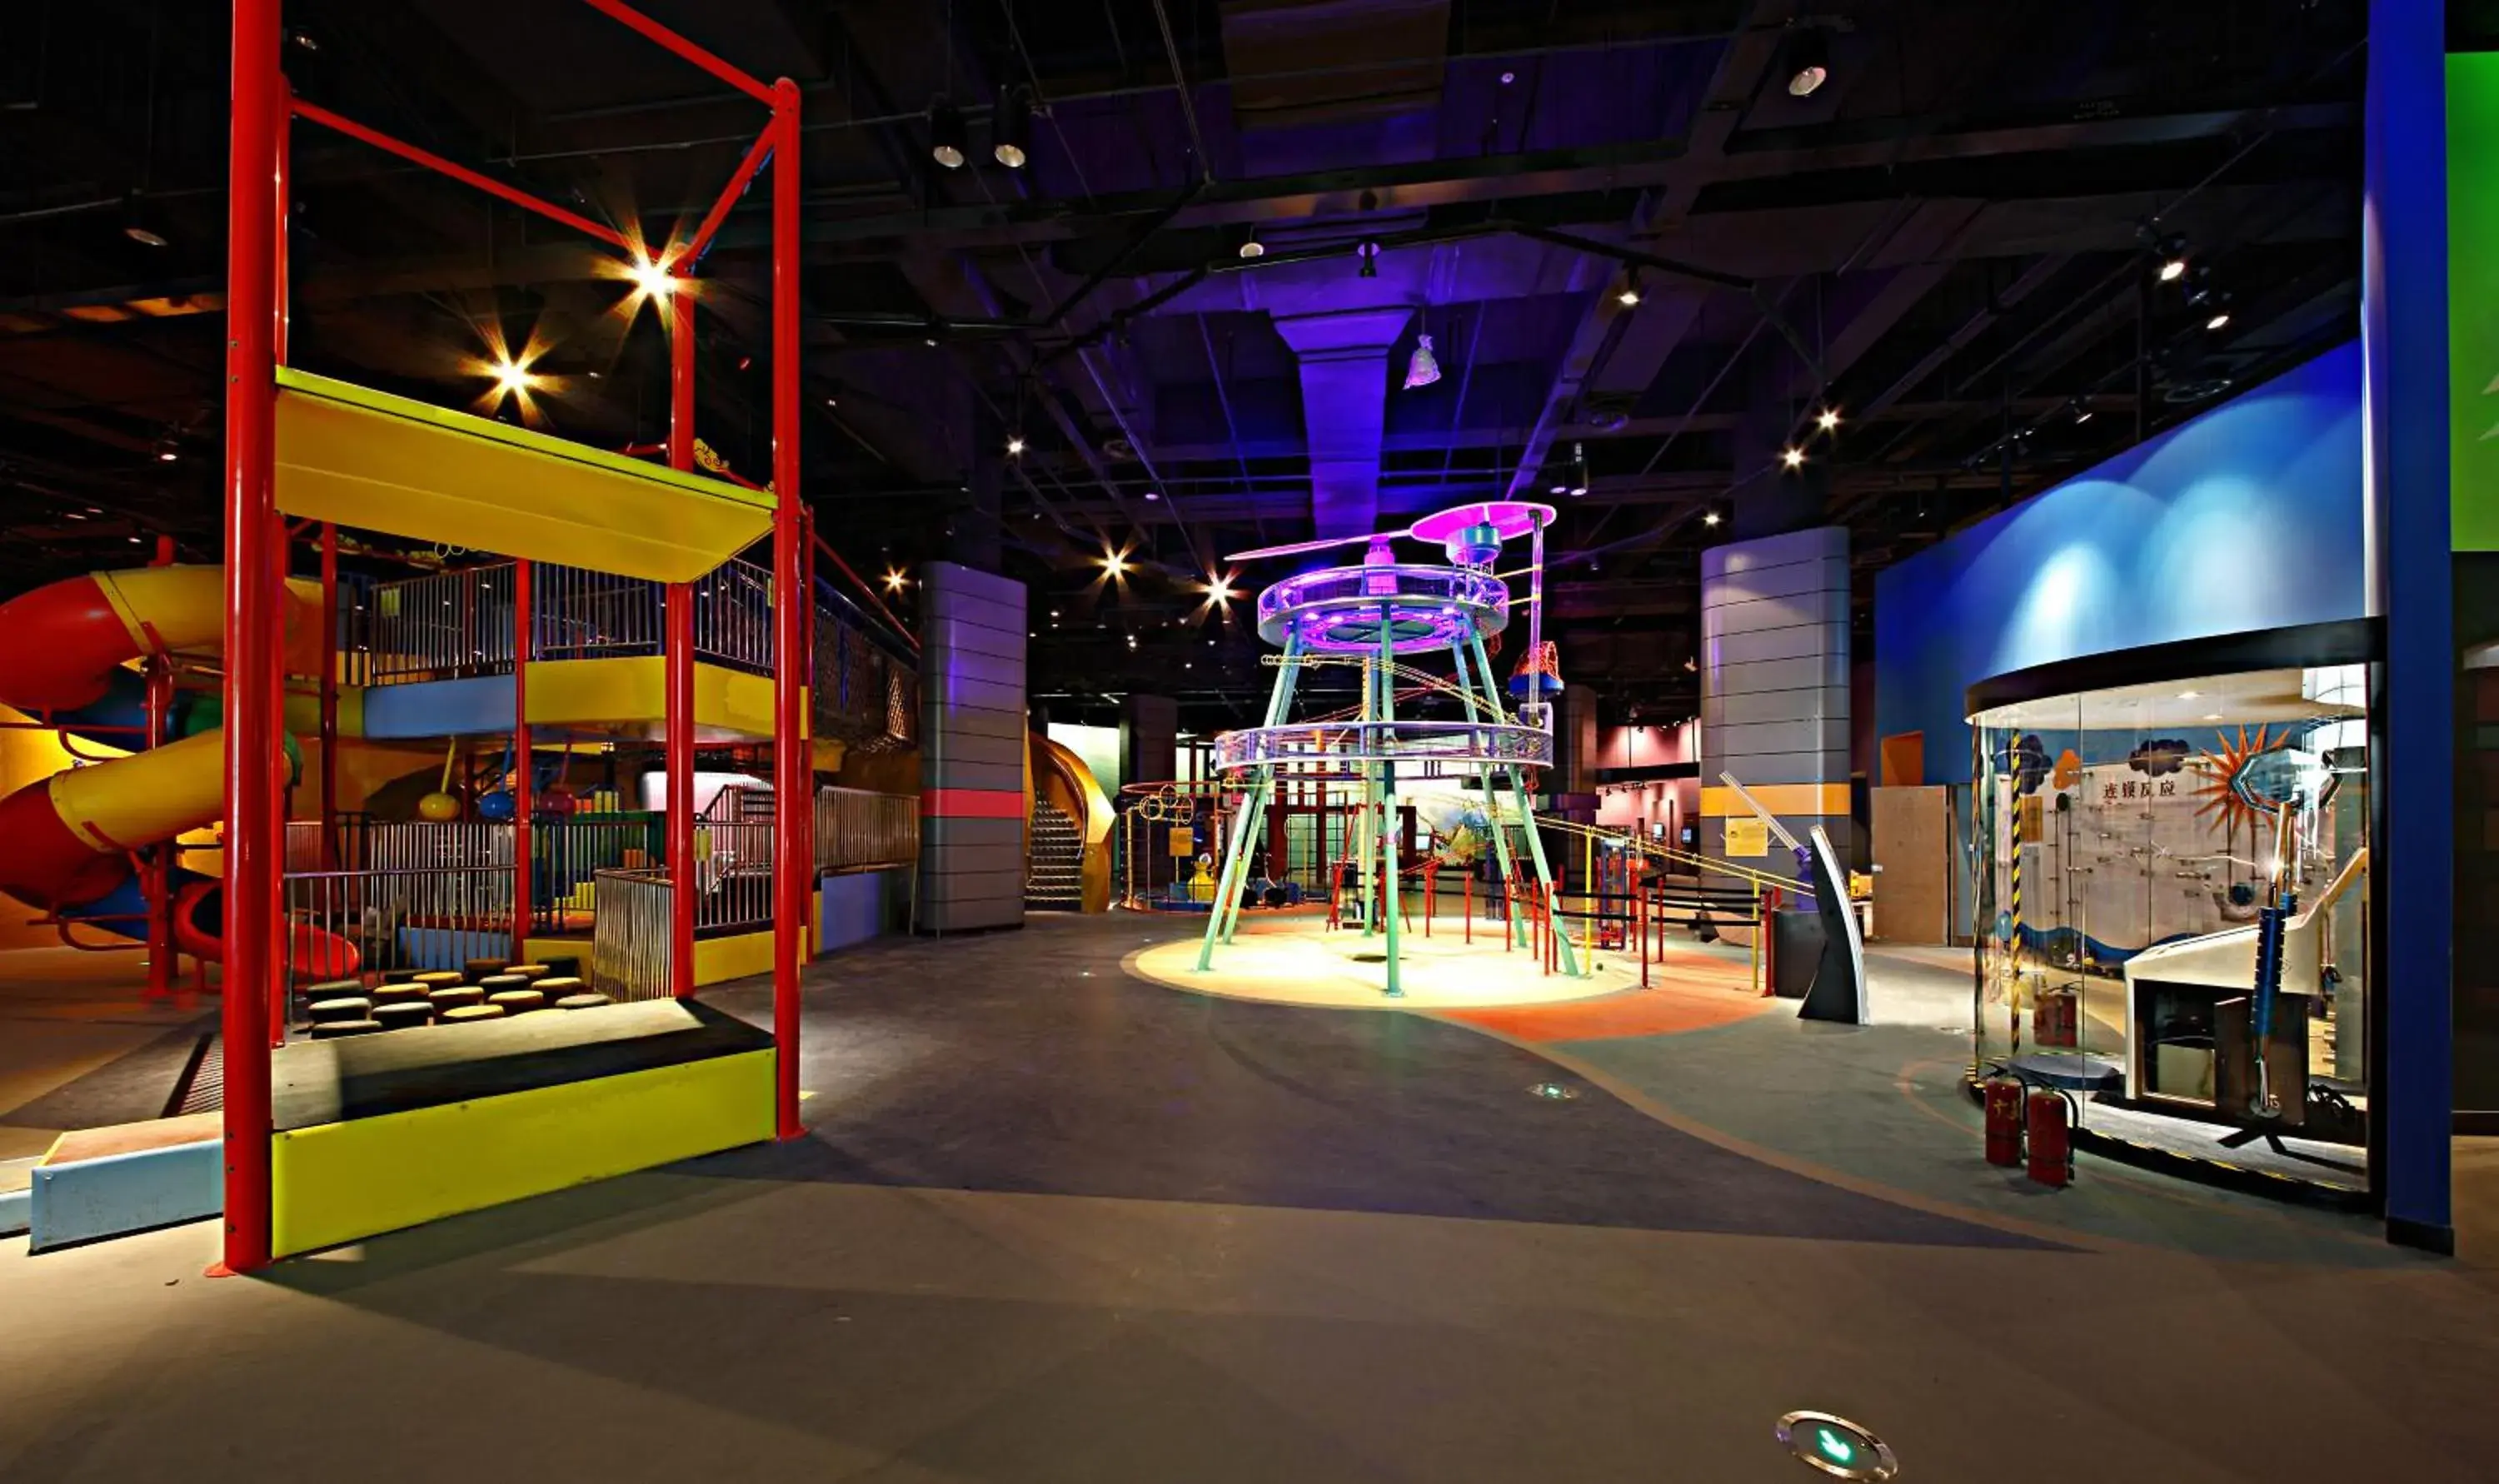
(140, 224)
(2171, 250)
(1369, 253)
(1011, 127)
(946, 135)
(1252, 247)
(1808, 62)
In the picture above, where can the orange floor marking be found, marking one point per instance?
(1690, 993)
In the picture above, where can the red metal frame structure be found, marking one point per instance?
(258, 161)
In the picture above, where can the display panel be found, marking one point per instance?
(2171, 896)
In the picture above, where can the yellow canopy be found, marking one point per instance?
(368, 459)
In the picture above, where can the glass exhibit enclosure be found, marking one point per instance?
(2170, 902)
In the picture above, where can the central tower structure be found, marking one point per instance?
(1371, 617)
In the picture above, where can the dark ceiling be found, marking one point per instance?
(1946, 244)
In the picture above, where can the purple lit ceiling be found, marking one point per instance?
(1943, 242)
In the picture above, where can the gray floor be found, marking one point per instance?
(1055, 1224)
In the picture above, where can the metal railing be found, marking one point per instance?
(428, 845)
(856, 829)
(448, 625)
(732, 876)
(569, 855)
(578, 614)
(629, 948)
(434, 917)
(444, 626)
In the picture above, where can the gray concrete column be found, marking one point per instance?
(1149, 739)
(972, 722)
(1775, 705)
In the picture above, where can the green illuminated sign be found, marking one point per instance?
(2473, 297)
(1838, 1449)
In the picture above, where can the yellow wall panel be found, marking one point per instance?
(340, 1181)
(1781, 799)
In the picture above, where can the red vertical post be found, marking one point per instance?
(1639, 924)
(524, 786)
(793, 773)
(282, 266)
(281, 796)
(1765, 928)
(679, 667)
(329, 696)
(251, 856)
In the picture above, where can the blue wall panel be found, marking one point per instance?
(2246, 517)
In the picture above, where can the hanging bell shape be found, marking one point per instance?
(1422, 371)
(1539, 673)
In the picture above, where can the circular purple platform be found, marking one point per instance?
(1341, 610)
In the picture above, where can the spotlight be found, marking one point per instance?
(1559, 489)
(894, 581)
(1579, 489)
(1369, 253)
(511, 377)
(2217, 321)
(652, 277)
(1827, 419)
(1709, 518)
(1113, 563)
(1808, 62)
(1630, 297)
(139, 224)
(1011, 127)
(2172, 252)
(946, 136)
(1254, 249)
(1792, 458)
(1014, 446)
(1154, 495)
(167, 451)
(1219, 590)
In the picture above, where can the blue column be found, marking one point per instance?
(2403, 313)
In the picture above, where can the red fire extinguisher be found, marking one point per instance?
(2052, 1137)
(2003, 1122)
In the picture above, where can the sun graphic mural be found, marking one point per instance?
(2241, 786)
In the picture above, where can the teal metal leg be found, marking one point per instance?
(1388, 821)
(1225, 909)
(1483, 708)
(1527, 817)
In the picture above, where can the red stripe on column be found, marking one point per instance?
(971, 804)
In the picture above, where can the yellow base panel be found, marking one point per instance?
(340, 1181)
(718, 960)
(540, 949)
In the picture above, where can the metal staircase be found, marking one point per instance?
(1054, 874)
